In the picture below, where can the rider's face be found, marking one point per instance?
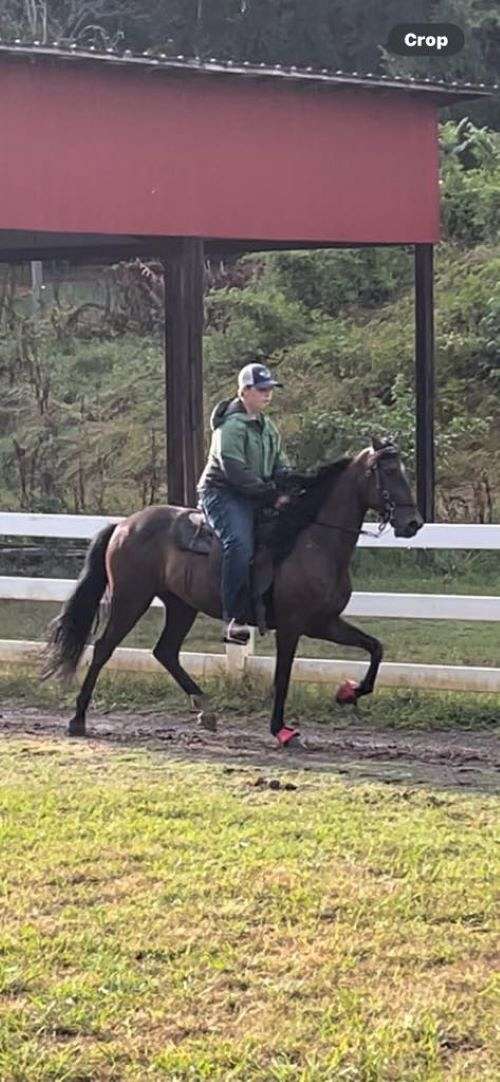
(255, 399)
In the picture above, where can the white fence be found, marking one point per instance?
(431, 536)
(236, 659)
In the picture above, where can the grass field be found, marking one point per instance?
(171, 920)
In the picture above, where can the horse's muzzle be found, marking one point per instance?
(409, 528)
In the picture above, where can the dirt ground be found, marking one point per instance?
(441, 760)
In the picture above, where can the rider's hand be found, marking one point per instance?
(282, 501)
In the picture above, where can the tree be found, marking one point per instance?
(104, 22)
(478, 62)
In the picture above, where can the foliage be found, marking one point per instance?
(83, 417)
(478, 62)
(473, 147)
(245, 325)
(330, 280)
(470, 180)
(67, 443)
(361, 381)
(328, 434)
(100, 22)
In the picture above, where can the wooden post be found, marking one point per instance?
(183, 268)
(424, 380)
(236, 656)
(36, 287)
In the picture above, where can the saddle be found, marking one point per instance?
(192, 533)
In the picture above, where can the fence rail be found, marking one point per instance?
(238, 660)
(305, 670)
(400, 606)
(431, 536)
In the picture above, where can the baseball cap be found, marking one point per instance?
(256, 375)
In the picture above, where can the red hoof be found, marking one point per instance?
(347, 693)
(285, 735)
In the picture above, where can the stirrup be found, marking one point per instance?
(239, 637)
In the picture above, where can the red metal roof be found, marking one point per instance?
(445, 93)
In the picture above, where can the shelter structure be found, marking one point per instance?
(105, 156)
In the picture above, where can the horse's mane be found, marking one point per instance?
(304, 508)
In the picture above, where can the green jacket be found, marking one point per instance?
(245, 453)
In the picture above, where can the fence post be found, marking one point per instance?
(236, 656)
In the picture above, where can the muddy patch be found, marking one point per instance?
(443, 759)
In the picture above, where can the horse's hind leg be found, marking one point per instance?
(179, 620)
(124, 614)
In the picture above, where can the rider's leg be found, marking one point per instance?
(232, 518)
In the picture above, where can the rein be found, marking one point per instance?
(356, 533)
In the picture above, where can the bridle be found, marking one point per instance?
(389, 507)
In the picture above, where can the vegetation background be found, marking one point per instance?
(162, 910)
(82, 377)
(82, 381)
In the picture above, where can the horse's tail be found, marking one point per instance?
(70, 631)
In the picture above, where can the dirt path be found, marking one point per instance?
(436, 759)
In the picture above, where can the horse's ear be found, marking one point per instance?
(377, 444)
(392, 445)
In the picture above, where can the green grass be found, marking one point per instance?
(309, 704)
(453, 642)
(172, 921)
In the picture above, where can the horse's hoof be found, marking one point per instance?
(76, 727)
(347, 693)
(287, 737)
(198, 702)
(208, 721)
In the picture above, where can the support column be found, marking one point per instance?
(424, 380)
(36, 287)
(183, 269)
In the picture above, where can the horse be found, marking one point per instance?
(311, 544)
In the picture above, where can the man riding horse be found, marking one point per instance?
(160, 552)
(245, 463)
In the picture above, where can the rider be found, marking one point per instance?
(244, 465)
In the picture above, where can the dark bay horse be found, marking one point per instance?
(312, 545)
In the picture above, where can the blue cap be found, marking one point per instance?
(256, 375)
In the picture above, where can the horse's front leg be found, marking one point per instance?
(286, 645)
(338, 630)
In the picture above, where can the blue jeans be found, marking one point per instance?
(232, 518)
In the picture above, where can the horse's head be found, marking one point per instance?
(387, 490)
